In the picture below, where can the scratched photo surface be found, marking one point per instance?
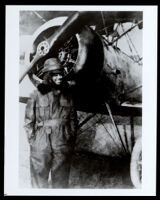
(103, 53)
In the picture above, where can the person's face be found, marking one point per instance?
(57, 78)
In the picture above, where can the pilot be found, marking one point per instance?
(51, 123)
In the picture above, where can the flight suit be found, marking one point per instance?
(50, 123)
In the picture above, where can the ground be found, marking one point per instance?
(88, 170)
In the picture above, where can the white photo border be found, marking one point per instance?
(149, 119)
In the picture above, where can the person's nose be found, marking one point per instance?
(59, 76)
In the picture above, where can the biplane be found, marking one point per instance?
(106, 80)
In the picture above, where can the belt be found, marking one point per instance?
(51, 122)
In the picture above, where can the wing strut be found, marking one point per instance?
(127, 31)
(114, 125)
(86, 120)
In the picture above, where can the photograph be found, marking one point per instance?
(81, 99)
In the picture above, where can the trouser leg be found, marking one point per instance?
(62, 145)
(40, 159)
(60, 170)
(40, 164)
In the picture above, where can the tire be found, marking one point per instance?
(136, 164)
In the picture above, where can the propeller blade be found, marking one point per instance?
(54, 42)
(36, 58)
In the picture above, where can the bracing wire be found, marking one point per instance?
(129, 38)
(107, 131)
(39, 16)
(103, 20)
(130, 48)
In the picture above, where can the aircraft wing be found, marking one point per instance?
(125, 109)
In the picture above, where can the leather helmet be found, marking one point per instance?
(51, 65)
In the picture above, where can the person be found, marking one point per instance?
(51, 124)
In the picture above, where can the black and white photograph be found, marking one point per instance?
(85, 100)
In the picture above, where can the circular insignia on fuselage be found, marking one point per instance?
(43, 48)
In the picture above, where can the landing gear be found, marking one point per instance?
(136, 164)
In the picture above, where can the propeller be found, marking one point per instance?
(53, 43)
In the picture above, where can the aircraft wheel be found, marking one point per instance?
(136, 164)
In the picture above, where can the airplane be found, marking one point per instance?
(105, 79)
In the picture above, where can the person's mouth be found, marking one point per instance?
(59, 81)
